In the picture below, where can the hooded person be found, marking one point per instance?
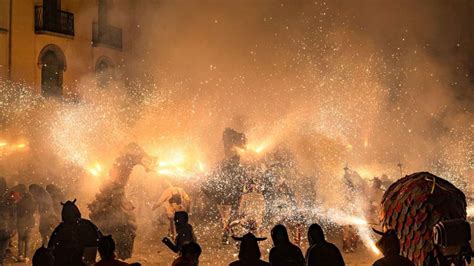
(284, 252)
(75, 240)
(320, 251)
(25, 209)
(249, 253)
(389, 245)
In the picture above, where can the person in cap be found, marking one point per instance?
(284, 252)
(389, 245)
(249, 253)
(75, 240)
(189, 255)
(321, 252)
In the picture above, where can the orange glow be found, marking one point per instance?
(95, 170)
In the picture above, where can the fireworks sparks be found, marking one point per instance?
(470, 211)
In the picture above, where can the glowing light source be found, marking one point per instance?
(21, 145)
(95, 170)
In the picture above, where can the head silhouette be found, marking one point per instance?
(70, 212)
(43, 257)
(249, 250)
(315, 234)
(389, 243)
(280, 235)
(106, 247)
(181, 218)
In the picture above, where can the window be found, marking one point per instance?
(104, 72)
(52, 63)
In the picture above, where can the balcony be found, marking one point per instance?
(57, 22)
(107, 35)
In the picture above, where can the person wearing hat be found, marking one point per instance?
(75, 240)
(320, 251)
(249, 253)
(389, 245)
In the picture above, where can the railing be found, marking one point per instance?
(59, 21)
(107, 35)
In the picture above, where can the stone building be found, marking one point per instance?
(51, 45)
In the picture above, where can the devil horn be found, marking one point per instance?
(74, 201)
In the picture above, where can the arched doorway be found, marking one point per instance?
(53, 64)
(104, 72)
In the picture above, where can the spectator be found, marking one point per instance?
(320, 251)
(389, 245)
(74, 238)
(7, 222)
(190, 253)
(57, 196)
(107, 253)
(48, 217)
(184, 232)
(284, 253)
(249, 253)
(25, 209)
(43, 257)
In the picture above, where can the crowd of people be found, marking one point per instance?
(75, 240)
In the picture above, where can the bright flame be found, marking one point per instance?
(3, 144)
(21, 145)
(201, 166)
(366, 143)
(95, 170)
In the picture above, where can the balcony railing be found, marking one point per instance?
(59, 21)
(107, 35)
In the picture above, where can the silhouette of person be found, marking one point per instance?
(57, 196)
(107, 253)
(284, 253)
(190, 253)
(389, 245)
(43, 257)
(320, 251)
(74, 238)
(48, 218)
(184, 232)
(25, 209)
(249, 253)
(7, 221)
